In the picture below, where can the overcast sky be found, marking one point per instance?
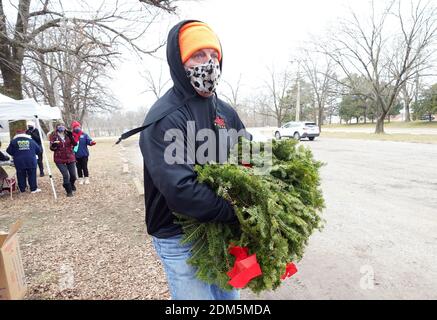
(254, 34)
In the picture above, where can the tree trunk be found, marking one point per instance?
(12, 83)
(44, 127)
(407, 113)
(13, 89)
(380, 125)
(320, 118)
(407, 101)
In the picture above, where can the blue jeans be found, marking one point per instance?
(181, 277)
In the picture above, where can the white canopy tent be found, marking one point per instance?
(29, 109)
(4, 98)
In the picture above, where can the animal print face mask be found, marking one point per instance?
(204, 77)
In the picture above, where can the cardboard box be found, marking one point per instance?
(12, 278)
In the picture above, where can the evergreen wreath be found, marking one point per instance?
(277, 213)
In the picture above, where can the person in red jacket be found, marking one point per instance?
(62, 143)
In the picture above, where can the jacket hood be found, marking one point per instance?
(22, 135)
(181, 83)
(182, 91)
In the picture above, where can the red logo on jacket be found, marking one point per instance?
(220, 123)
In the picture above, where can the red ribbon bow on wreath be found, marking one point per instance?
(289, 271)
(245, 268)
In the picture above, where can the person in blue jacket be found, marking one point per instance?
(81, 151)
(24, 151)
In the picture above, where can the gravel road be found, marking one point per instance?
(380, 238)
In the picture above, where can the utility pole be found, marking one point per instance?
(298, 93)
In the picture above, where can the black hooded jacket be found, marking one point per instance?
(173, 187)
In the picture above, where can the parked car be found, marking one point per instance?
(428, 117)
(298, 131)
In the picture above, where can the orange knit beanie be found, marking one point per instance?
(194, 36)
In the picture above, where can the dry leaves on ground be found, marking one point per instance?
(91, 246)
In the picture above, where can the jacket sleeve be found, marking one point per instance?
(239, 125)
(69, 134)
(37, 148)
(178, 182)
(35, 136)
(53, 146)
(11, 149)
(88, 140)
(3, 157)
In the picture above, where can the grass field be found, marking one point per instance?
(401, 137)
(413, 124)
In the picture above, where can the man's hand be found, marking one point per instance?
(93, 143)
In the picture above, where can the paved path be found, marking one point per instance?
(380, 239)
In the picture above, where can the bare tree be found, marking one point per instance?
(255, 111)
(155, 84)
(332, 108)
(409, 95)
(71, 79)
(386, 59)
(166, 5)
(232, 94)
(114, 123)
(321, 78)
(278, 87)
(260, 106)
(19, 40)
